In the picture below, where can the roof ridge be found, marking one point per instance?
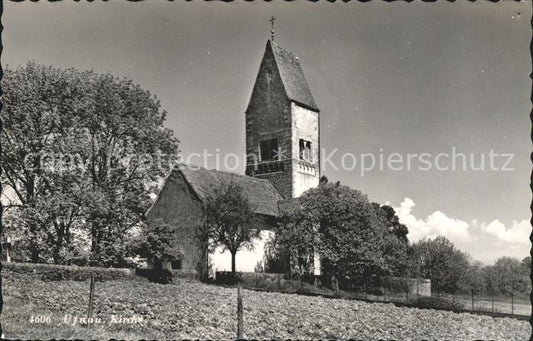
(189, 165)
(285, 50)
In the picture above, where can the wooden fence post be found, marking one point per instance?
(512, 303)
(492, 298)
(91, 299)
(406, 290)
(7, 246)
(239, 314)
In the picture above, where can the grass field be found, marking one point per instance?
(134, 309)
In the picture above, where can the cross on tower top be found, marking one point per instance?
(272, 19)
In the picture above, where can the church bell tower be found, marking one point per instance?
(282, 125)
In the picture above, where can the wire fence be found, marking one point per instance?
(509, 304)
(519, 305)
(408, 291)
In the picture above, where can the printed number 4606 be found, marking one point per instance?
(40, 319)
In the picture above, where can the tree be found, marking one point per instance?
(508, 276)
(276, 256)
(526, 265)
(341, 226)
(294, 243)
(157, 240)
(124, 135)
(490, 279)
(78, 151)
(474, 280)
(439, 260)
(395, 244)
(40, 104)
(230, 220)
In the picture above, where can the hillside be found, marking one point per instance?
(186, 308)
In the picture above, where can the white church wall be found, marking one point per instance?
(305, 126)
(246, 260)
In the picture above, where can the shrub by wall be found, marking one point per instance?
(227, 278)
(162, 276)
(249, 278)
(399, 285)
(437, 302)
(165, 276)
(190, 274)
(54, 272)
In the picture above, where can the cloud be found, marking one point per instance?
(439, 224)
(517, 234)
(436, 224)
(485, 242)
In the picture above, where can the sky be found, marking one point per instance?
(388, 78)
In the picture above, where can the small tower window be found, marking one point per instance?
(175, 264)
(269, 150)
(305, 150)
(269, 76)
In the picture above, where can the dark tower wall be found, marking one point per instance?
(269, 116)
(282, 108)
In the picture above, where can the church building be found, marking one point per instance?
(283, 161)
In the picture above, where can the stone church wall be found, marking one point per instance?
(177, 205)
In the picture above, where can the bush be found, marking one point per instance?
(227, 278)
(251, 279)
(183, 273)
(396, 285)
(162, 276)
(311, 279)
(53, 272)
(437, 302)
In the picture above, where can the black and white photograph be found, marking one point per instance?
(266, 170)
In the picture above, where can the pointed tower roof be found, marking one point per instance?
(292, 76)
